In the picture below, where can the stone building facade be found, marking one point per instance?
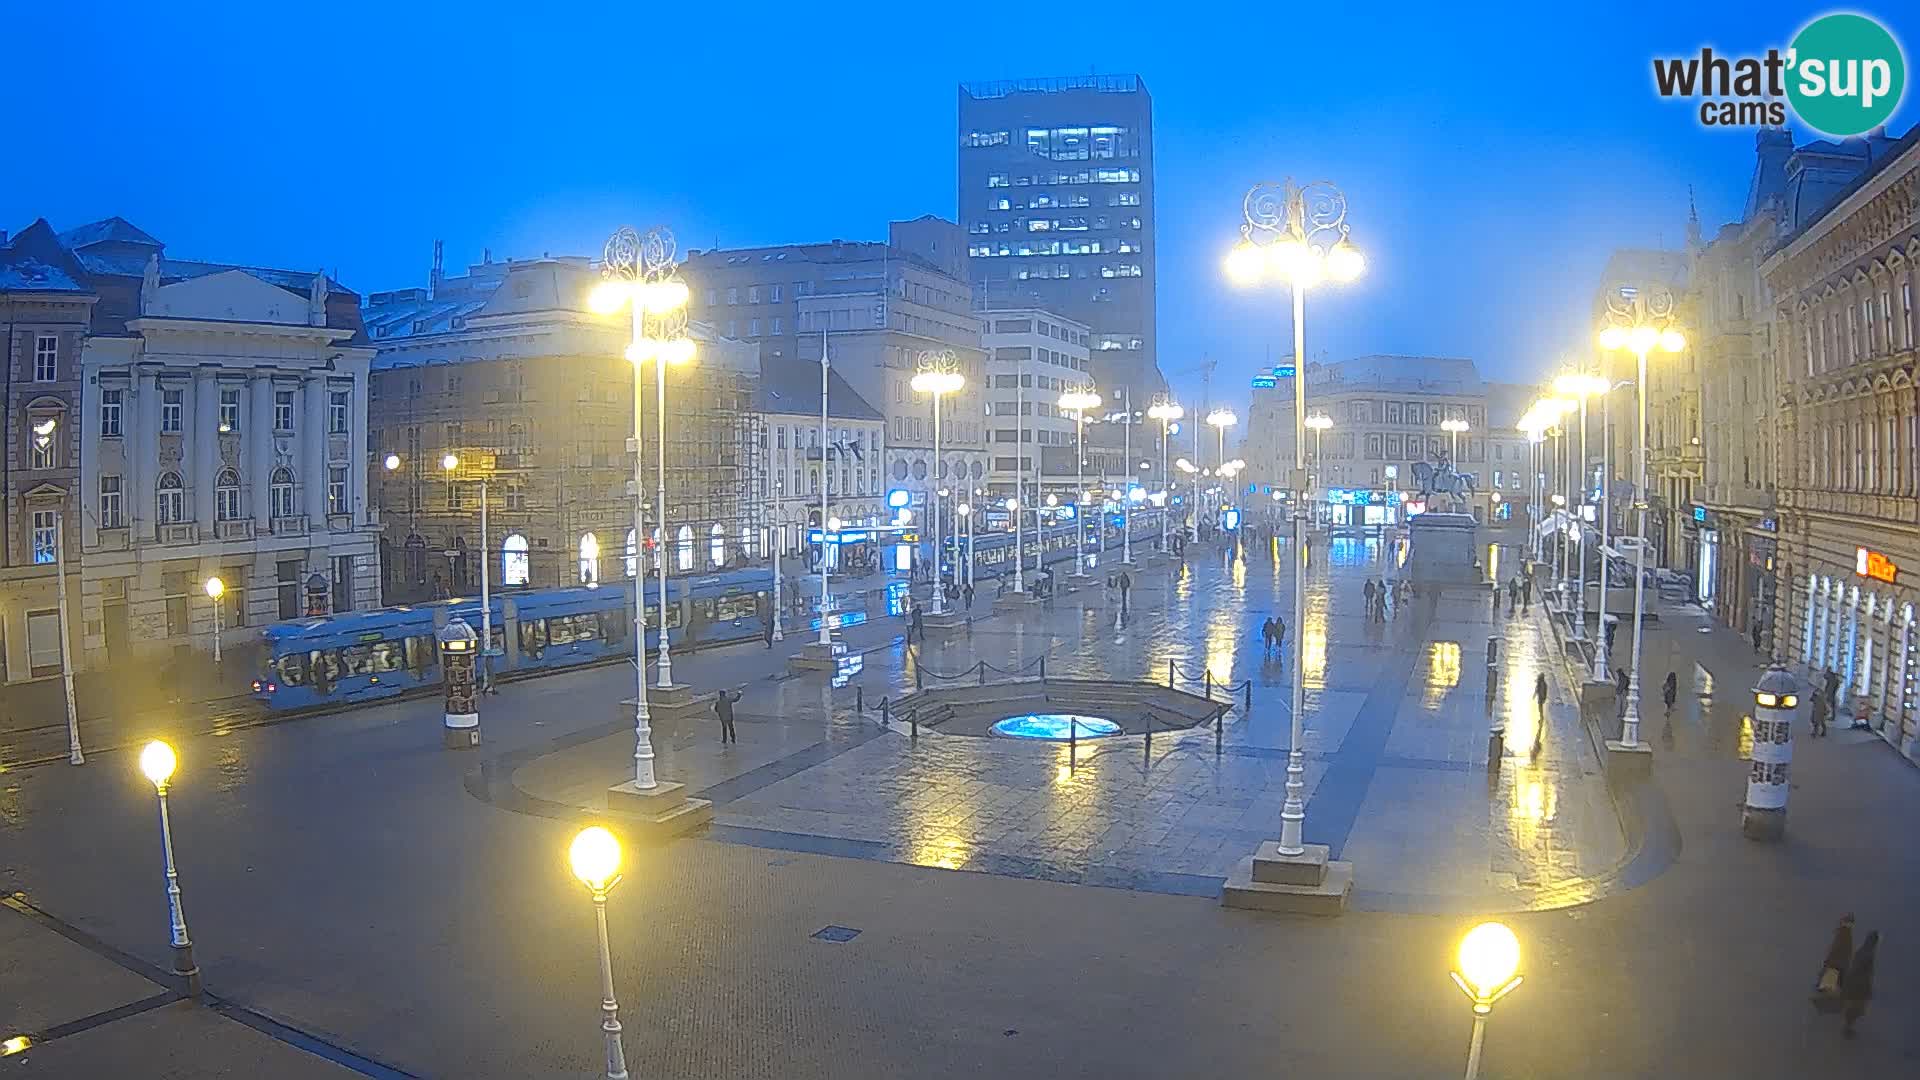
(1845, 334)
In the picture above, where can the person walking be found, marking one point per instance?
(1756, 635)
(966, 594)
(767, 633)
(1839, 955)
(916, 627)
(1670, 690)
(1371, 597)
(1266, 637)
(1817, 714)
(723, 709)
(1621, 681)
(1830, 689)
(1540, 693)
(1280, 636)
(1513, 594)
(1856, 987)
(1526, 594)
(1126, 587)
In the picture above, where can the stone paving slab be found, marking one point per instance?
(181, 1041)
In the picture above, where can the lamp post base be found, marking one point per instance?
(1310, 883)
(813, 656)
(186, 969)
(1629, 760)
(663, 809)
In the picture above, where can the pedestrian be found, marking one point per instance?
(1371, 596)
(1856, 987)
(769, 631)
(1266, 637)
(1817, 714)
(1126, 586)
(1513, 594)
(1280, 636)
(1526, 594)
(966, 593)
(1621, 681)
(723, 708)
(1540, 693)
(1670, 690)
(916, 627)
(1831, 689)
(1756, 635)
(1839, 955)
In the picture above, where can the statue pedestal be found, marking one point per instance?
(1444, 549)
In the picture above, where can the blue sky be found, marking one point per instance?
(1492, 158)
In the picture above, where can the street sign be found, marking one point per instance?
(1283, 371)
(1264, 382)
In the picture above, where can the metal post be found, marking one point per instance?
(609, 1008)
(779, 535)
(486, 594)
(860, 699)
(1080, 490)
(1247, 689)
(1019, 485)
(939, 545)
(886, 716)
(826, 635)
(1473, 1047)
(643, 777)
(1209, 683)
(74, 756)
(1169, 674)
(913, 719)
(216, 625)
(1126, 489)
(1630, 723)
(1148, 755)
(183, 964)
(1166, 491)
(660, 511)
(1293, 812)
(980, 673)
(1217, 725)
(1600, 657)
(1580, 530)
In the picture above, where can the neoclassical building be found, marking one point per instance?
(1844, 347)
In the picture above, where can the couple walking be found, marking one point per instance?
(1845, 983)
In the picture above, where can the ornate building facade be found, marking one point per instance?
(1845, 329)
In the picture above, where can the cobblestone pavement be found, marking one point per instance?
(340, 879)
(1396, 735)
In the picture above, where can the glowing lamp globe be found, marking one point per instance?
(392, 462)
(157, 761)
(595, 856)
(1643, 338)
(608, 297)
(215, 588)
(450, 462)
(1344, 262)
(1245, 263)
(678, 351)
(1489, 955)
(1613, 337)
(1673, 340)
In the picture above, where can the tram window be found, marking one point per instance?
(533, 636)
(729, 608)
(325, 666)
(293, 670)
(421, 654)
(560, 630)
(356, 660)
(613, 626)
(498, 643)
(586, 627)
(653, 616)
(387, 656)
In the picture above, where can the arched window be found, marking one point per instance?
(659, 549)
(514, 565)
(589, 559)
(226, 496)
(516, 439)
(172, 500)
(683, 556)
(280, 492)
(633, 557)
(717, 545)
(748, 549)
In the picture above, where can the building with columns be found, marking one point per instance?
(1845, 340)
(796, 471)
(223, 412)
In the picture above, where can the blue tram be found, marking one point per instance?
(368, 655)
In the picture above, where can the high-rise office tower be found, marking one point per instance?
(1056, 196)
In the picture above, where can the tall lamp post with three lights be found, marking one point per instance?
(938, 376)
(1080, 401)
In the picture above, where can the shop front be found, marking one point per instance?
(1859, 625)
(1358, 512)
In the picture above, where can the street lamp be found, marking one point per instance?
(1639, 320)
(1295, 235)
(1578, 386)
(1319, 422)
(965, 510)
(215, 590)
(938, 376)
(1080, 401)
(1454, 428)
(157, 761)
(640, 275)
(595, 856)
(450, 464)
(1489, 956)
(1166, 410)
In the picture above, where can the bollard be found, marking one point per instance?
(1169, 674)
(1216, 734)
(885, 718)
(1247, 705)
(913, 720)
(1209, 684)
(919, 683)
(1147, 757)
(860, 699)
(981, 672)
(1043, 669)
(1073, 739)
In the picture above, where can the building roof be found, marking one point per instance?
(1104, 84)
(834, 251)
(1823, 173)
(1425, 374)
(113, 230)
(792, 388)
(36, 262)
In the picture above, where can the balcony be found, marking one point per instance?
(238, 529)
(114, 539)
(187, 532)
(290, 526)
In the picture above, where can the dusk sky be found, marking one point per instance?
(1492, 160)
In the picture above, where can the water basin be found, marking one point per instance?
(1055, 726)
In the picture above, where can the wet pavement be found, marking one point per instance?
(342, 879)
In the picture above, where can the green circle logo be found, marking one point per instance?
(1846, 74)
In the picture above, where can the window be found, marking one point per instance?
(110, 401)
(110, 513)
(773, 294)
(229, 410)
(633, 557)
(753, 294)
(683, 555)
(338, 402)
(171, 505)
(45, 529)
(753, 327)
(589, 559)
(226, 496)
(516, 439)
(283, 410)
(280, 493)
(337, 490)
(514, 569)
(343, 583)
(733, 296)
(46, 358)
(287, 578)
(776, 325)
(717, 545)
(170, 412)
(516, 499)
(43, 447)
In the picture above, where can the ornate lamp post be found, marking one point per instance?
(1639, 321)
(157, 761)
(1080, 401)
(595, 856)
(1489, 956)
(639, 274)
(939, 375)
(1454, 428)
(1295, 235)
(1319, 422)
(215, 590)
(1166, 410)
(1579, 387)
